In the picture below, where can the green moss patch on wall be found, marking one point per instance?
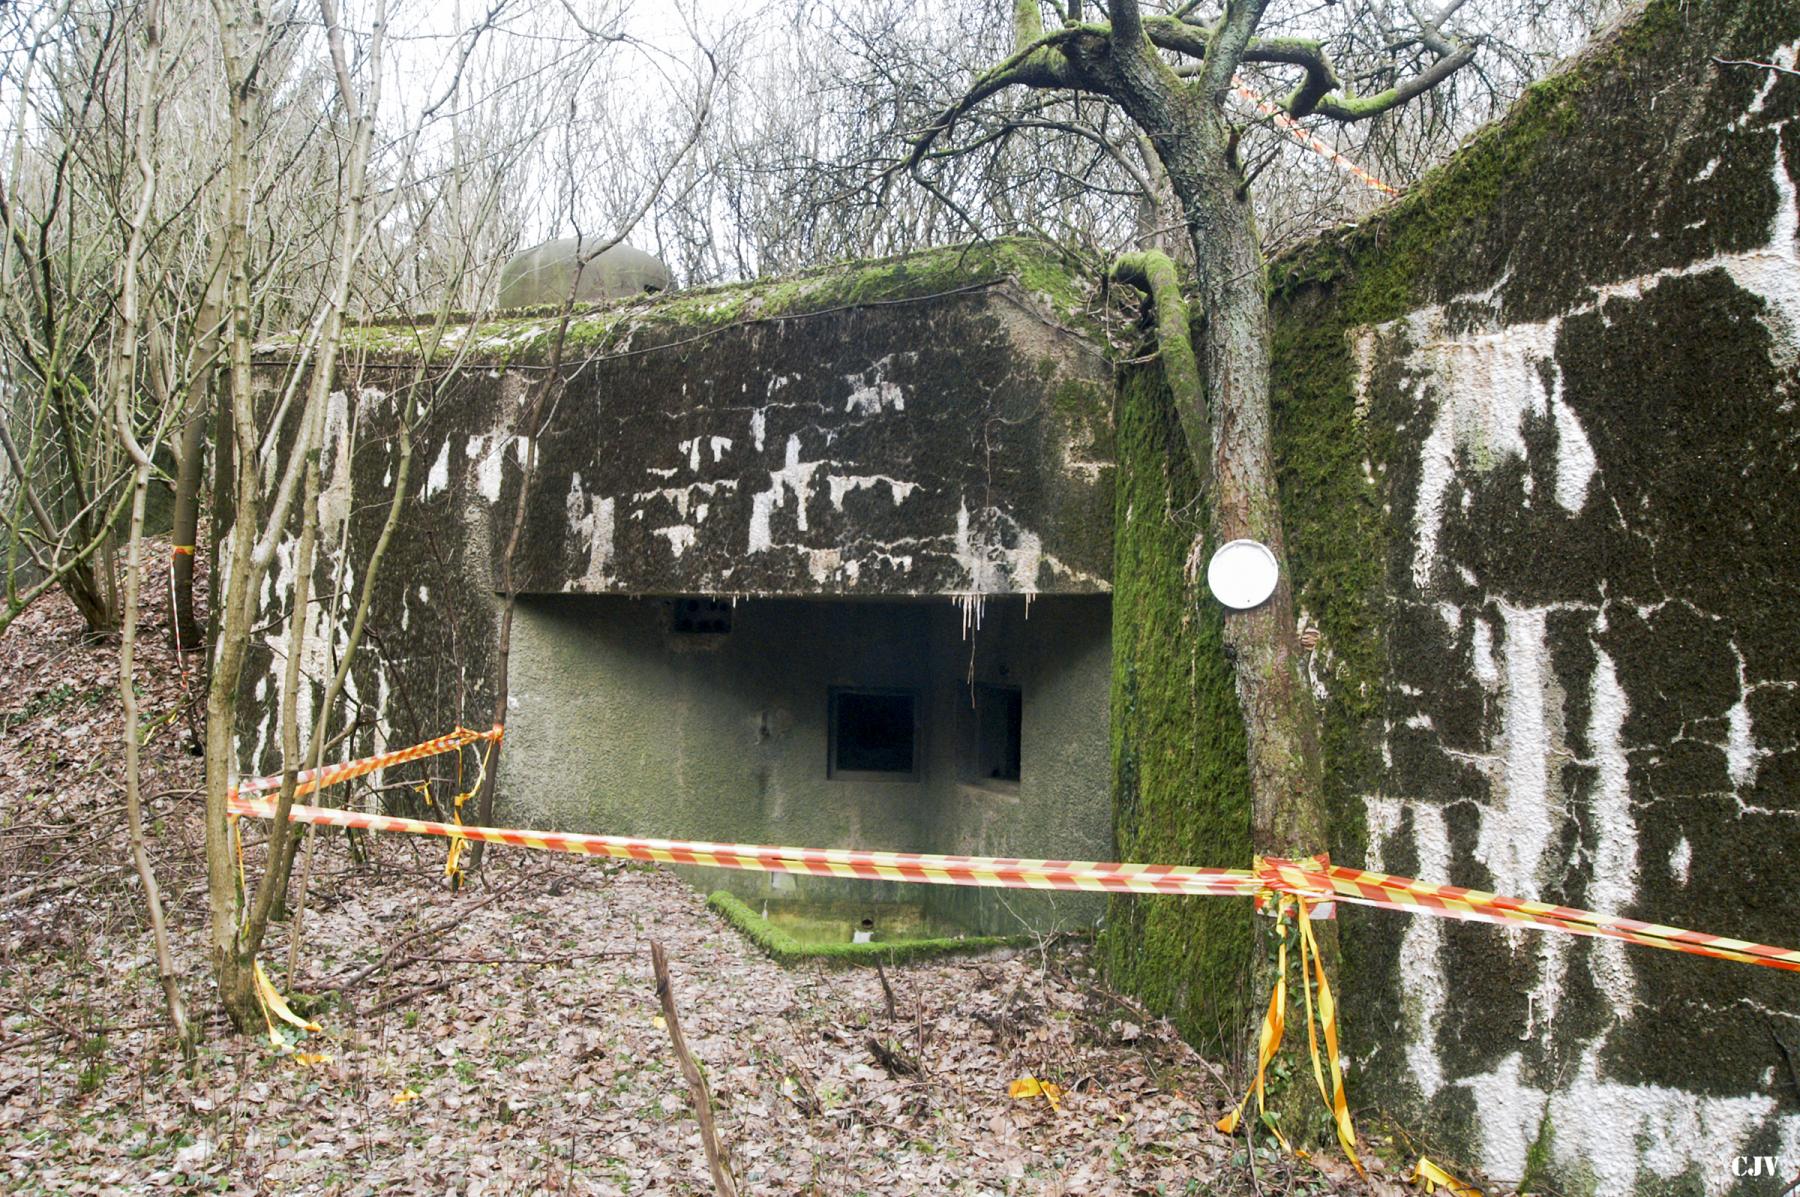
(1033, 269)
(1181, 786)
(1610, 216)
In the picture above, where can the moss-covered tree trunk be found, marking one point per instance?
(1236, 460)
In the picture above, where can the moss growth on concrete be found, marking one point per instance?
(1527, 207)
(1036, 269)
(1633, 161)
(1181, 786)
(785, 949)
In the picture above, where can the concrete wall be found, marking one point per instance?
(800, 436)
(621, 725)
(1539, 441)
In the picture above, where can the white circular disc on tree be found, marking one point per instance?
(1242, 574)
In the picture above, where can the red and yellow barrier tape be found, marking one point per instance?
(1432, 1178)
(1290, 884)
(332, 775)
(1315, 880)
(1325, 881)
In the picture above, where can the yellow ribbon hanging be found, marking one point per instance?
(274, 1003)
(453, 863)
(1432, 1178)
(1312, 971)
(1334, 1099)
(1269, 1039)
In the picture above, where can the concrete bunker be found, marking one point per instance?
(818, 561)
(770, 596)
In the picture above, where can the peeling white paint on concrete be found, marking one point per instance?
(1426, 992)
(487, 452)
(683, 497)
(795, 476)
(1486, 382)
(334, 491)
(991, 564)
(1614, 877)
(821, 564)
(438, 479)
(872, 392)
(839, 485)
(1487, 385)
(1681, 860)
(1742, 756)
(1623, 1134)
(1516, 825)
(759, 425)
(591, 521)
(1487, 669)
(679, 536)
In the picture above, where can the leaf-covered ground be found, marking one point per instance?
(505, 1039)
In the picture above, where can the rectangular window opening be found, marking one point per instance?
(874, 735)
(999, 724)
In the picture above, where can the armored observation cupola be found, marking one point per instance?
(543, 274)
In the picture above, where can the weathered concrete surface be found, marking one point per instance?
(909, 450)
(1539, 442)
(621, 725)
(928, 426)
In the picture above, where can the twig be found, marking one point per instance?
(457, 916)
(1749, 62)
(723, 1182)
(887, 991)
(400, 999)
(890, 1057)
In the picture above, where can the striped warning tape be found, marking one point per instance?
(332, 775)
(924, 868)
(1321, 1020)
(1299, 132)
(1288, 885)
(1407, 894)
(1315, 880)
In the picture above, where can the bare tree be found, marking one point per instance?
(1174, 75)
(68, 477)
(122, 380)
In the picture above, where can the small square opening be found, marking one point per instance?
(999, 726)
(874, 734)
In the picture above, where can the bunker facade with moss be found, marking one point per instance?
(821, 561)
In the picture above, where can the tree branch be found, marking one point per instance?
(1032, 65)
(1347, 108)
(1228, 45)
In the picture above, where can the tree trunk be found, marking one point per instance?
(1235, 460)
(1237, 465)
(185, 534)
